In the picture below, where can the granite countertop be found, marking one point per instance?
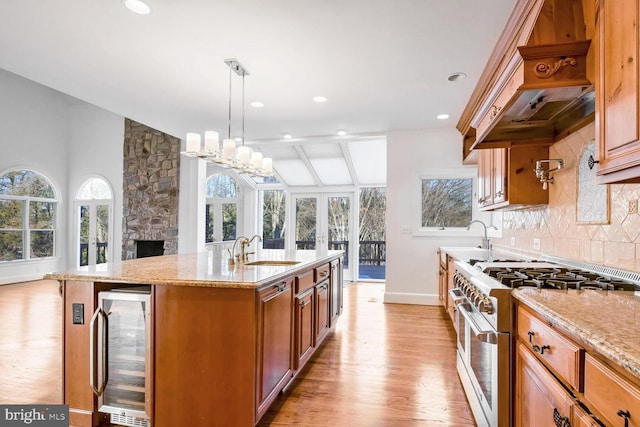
(204, 269)
(607, 321)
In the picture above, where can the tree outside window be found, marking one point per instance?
(446, 202)
(222, 209)
(27, 216)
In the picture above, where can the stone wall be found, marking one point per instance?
(151, 180)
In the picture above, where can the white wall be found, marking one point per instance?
(64, 139)
(412, 262)
(95, 149)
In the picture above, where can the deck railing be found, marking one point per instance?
(101, 255)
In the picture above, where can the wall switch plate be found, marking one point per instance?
(536, 244)
(78, 313)
(406, 229)
(513, 241)
(633, 206)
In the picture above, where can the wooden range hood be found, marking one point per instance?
(537, 85)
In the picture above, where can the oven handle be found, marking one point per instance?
(490, 336)
(457, 296)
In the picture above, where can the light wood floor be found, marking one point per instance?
(384, 365)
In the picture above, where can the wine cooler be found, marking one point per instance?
(120, 370)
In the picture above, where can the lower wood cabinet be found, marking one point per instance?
(275, 342)
(540, 399)
(304, 324)
(323, 318)
(336, 290)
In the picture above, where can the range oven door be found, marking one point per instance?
(484, 354)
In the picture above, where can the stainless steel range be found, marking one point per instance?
(483, 315)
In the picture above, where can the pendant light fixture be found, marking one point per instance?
(242, 159)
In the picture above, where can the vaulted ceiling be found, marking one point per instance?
(381, 64)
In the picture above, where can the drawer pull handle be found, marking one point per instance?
(536, 347)
(626, 415)
(559, 420)
(303, 304)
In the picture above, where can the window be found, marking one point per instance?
(94, 222)
(372, 254)
(222, 210)
(273, 219)
(446, 202)
(27, 216)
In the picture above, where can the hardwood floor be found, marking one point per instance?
(383, 365)
(30, 343)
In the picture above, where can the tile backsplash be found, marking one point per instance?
(556, 226)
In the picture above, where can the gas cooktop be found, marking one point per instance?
(545, 275)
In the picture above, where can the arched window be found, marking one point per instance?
(223, 208)
(28, 205)
(93, 219)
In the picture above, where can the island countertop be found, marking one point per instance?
(202, 269)
(606, 321)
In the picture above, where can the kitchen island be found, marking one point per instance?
(219, 341)
(578, 356)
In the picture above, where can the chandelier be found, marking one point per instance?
(242, 159)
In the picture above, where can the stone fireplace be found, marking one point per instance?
(150, 186)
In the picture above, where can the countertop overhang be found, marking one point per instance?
(201, 269)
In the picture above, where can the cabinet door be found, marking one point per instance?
(540, 399)
(322, 311)
(304, 328)
(274, 342)
(336, 291)
(617, 86)
(485, 172)
(499, 174)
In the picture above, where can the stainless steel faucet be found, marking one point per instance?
(485, 240)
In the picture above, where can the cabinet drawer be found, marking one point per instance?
(580, 418)
(321, 272)
(558, 352)
(304, 281)
(610, 394)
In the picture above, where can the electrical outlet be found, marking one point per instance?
(536, 244)
(513, 241)
(78, 313)
(406, 229)
(633, 206)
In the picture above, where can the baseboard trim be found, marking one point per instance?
(406, 298)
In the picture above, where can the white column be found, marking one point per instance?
(192, 200)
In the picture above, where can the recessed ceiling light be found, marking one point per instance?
(287, 136)
(238, 139)
(456, 76)
(342, 132)
(319, 99)
(257, 104)
(443, 116)
(137, 6)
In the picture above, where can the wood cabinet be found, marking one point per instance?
(611, 395)
(617, 44)
(506, 177)
(540, 399)
(337, 290)
(443, 295)
(275, 342)
(553, 373)
(451, 307)
(304, 327)
(322, 315)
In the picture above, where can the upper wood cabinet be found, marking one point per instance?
(506, 177)
(617, 41)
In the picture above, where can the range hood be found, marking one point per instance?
(536, 86)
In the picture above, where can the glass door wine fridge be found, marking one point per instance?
(120, 368)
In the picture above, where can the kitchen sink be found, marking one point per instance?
(272, 262)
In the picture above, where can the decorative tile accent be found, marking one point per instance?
(616, 244)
